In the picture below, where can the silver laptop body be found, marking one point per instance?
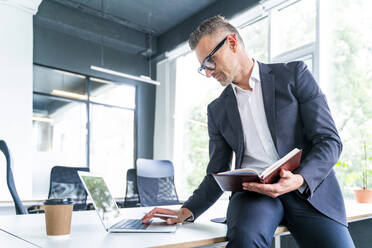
(108, 211)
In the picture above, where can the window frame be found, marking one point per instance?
(297, 53)
(88, 103)
(265, 10)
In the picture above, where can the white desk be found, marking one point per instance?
(87, 231)
(7, 240)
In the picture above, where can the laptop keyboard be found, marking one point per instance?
(130, 224)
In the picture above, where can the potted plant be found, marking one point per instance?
(364, 195)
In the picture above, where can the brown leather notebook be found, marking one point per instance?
(232, 180)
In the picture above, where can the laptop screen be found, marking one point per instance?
(101, 196)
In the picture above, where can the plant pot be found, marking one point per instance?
(363, 195)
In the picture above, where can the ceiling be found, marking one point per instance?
(132, 26)
(145, 27)
(155, 16)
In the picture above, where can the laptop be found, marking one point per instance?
(108, 211)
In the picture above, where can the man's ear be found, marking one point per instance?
(232, 41)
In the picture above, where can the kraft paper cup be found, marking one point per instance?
(58, 214)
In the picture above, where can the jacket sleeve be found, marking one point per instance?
(220, 154)
(318, 128)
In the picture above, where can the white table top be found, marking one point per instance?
(87, 231)
(8, 240)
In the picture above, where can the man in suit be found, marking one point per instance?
(265, 111)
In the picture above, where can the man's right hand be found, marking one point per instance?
(182, 215)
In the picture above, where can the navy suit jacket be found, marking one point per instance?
(298, 116)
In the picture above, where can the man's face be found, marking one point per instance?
(224, 58)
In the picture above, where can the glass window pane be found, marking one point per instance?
(59, 83)
(191, 133)
(255, 37)
(107, 92)
(59, 138)
(293, 26)
(61, 126)
(350, 88)
(112, 145)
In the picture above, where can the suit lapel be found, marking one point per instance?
(268, 94)
(235, 122)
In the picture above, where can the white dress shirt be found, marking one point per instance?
(259, 148)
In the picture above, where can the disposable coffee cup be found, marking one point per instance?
(58, 214)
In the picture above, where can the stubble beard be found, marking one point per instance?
(225, 81)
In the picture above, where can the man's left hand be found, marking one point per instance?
(288, 182)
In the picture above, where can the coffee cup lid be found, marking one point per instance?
(65, 201)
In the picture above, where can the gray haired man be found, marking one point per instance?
(265, 111)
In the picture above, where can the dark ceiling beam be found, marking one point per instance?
(72, 21)
(180, 33)
(98, 13)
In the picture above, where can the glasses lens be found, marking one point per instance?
(210, 64)
(207, 64)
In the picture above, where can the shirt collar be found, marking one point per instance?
(255, 72)
(255, 78)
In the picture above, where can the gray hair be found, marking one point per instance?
(216, 24)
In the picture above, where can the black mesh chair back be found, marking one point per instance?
(155, 181)
(10, 180)
(131, 192)
(65, 183)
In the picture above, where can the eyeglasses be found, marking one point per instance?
(208, 62)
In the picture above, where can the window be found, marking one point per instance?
(292, 26)
(60, 127)
(293, 35)
(193, 93)
(80, 121)
(256, 39)
(283, 34)
(351, 87)
(112, 133)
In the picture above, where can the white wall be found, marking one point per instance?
(16, 59)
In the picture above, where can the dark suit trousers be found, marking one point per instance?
(252, 219)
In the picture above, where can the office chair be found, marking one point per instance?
(10, 180)
(65, 183)
(155, 181)
(131, 194)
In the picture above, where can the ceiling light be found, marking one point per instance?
(100, 80)
(124, 75)
(145, 77)
(69, 73)
(69, 94)
(42, 119)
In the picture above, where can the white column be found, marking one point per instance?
(16, 61)
(164, 110)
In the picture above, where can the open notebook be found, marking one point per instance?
(232, 180)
